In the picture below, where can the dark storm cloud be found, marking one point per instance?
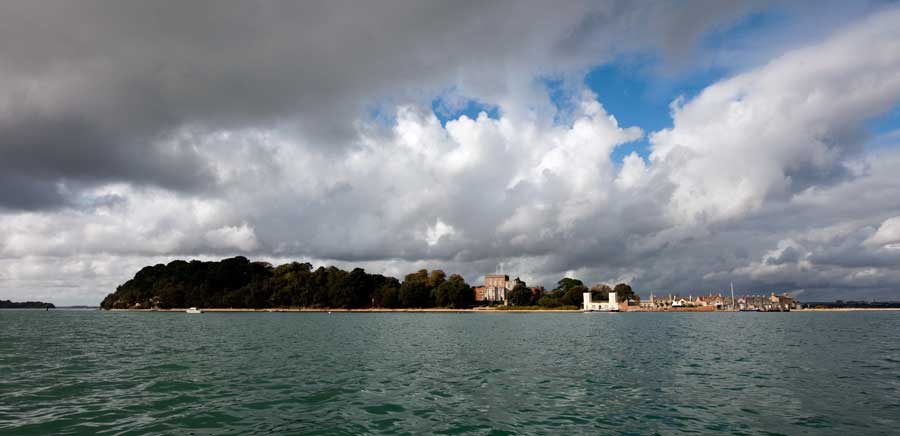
(132, 134)
(24, 192)
(92, 88)
(39, 154)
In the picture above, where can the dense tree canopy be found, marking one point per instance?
(573, 296)
(600, 292)
(455, 293)
(569, 292)
(624, 292)
(520, 295)
(239, 283)
(6, 304)
(566, 283)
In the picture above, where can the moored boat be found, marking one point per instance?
(193, 310)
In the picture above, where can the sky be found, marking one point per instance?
(676, 146)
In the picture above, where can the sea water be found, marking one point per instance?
(92, 372)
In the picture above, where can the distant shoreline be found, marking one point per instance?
(851, 309)
(368, 310)
(479, 310)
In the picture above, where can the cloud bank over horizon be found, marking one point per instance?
(400, 135)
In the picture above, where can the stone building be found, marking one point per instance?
(496, 288)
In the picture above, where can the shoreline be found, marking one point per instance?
(851, 309)
(368, 310)
(479, 310)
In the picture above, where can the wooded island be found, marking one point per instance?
(241, 284)
(7, 304)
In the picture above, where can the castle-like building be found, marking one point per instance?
(496, 288)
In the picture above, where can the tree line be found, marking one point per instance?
(567, 293)
(7, 304)
(239, 283)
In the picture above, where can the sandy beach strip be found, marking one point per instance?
(482, 310)
(370, 310)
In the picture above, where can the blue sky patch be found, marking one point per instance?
(448, 110)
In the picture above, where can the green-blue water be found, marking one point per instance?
(88, 372)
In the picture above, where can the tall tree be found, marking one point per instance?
(600, 292)
(624, 292)
(415, 293)
(537, 294)
(520, 295)
(360, 286)
(436, 278)
(386, 292)
(455, 293)
(389, 296)
(566, 283)
(574, 296)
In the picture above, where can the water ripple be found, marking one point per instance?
(85, 372)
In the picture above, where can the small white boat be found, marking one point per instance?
(193, 310)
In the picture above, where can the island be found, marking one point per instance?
(7, 304)
(238, 283)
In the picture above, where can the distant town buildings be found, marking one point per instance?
(772, 303)
(711, 302)
(497, 287)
